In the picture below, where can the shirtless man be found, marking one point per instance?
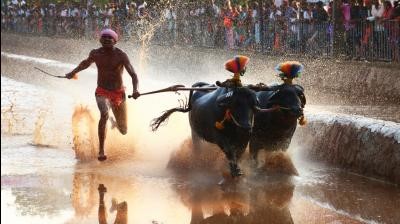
(110, 92)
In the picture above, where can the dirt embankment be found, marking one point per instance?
(366, 146)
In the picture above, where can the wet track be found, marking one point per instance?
(43, 182)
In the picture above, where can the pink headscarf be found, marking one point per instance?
(109, 32)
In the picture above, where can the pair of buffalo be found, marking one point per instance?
(263, 117)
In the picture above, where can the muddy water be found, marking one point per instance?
(44, 181)
(47, 185)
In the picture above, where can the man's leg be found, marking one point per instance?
(120, 116)
(102, 208)
(102, 131)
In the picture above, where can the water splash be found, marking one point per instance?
(85, 138)
(148, 28)
(37, 133)
(8, 116)
(210, 157)
(206, 157)
(84, 133)
(278, 162)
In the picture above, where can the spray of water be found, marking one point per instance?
(205, 157)
(148, 28)
(11, 119)
(210, 157)
(37, 134)
(85, 137)
(8, 117)
(145, 39)
(278, 162)
(84, 133)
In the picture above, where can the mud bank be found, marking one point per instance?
(327, 81)
(363, 145)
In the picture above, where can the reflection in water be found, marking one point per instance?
(122, 208)
(87, 184)
(258, 198)
(83, 193)
(321, 195)
(150, 196)
(252, 201)
(270, 201)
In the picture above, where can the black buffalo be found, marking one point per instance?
(208, 107)
(274, 130)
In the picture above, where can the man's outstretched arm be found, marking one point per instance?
(82, 66)
(129, 68)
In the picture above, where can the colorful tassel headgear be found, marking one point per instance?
(110, 33)
(237, 64)
(289, 69)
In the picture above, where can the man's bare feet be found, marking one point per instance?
(102, 157)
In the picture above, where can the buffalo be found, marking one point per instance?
(223, 117)
(273, 131)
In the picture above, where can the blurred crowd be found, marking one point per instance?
(370, 27)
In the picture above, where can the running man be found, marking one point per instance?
(110, 92)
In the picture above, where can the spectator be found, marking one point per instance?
(212, 13)
(396, 11)
(256, 24)
(378, 33)
(170, 16)
(320, 14)
(388, 10)
(298, 24)
(228, 16)
(348, 28)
